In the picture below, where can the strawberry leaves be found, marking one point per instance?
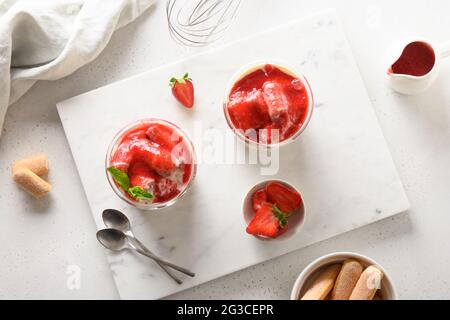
(173, 81)
(281, 216)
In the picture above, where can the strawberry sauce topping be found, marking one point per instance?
(270, 99)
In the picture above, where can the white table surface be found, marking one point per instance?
(43, 240)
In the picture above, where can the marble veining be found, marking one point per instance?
(341, 163)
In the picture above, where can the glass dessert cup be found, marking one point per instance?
(249, 69)
(147, 204)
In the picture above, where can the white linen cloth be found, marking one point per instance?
(50, 39)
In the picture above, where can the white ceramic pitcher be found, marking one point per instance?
(410, 84)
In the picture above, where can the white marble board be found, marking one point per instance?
(341, 163)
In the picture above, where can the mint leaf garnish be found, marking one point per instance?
(281, 216)
(120, 177)
(139, 193)
(123, 181)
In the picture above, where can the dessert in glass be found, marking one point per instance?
(268, 104)
(151, 164)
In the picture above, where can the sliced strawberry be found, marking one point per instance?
(183, 90)
(155, 157)
(181, 154)
(259, 198)
(163, 136)
(165, 189)
(122, 157)
(268, 222)
(287, 199)
(142, 175)
(136, 134)
(248, 110)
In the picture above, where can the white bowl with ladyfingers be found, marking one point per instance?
(344, 276)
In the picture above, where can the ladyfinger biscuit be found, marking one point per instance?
(346, 281)
(31, 182)
(324, 283)
(37, 163)
(367, 285)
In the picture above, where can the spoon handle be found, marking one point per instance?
(163, 266)
(167, 263)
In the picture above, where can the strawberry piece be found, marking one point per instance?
(155, 157)
(298, 109)
(287, 199)
(187, 172)
(165, 189)
(259, 198)
(142, 175)
(266, 223)
(122, 157)
(137, 134)
(248, 110)
(163, 136)
(183, 90)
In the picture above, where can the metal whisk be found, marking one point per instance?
(199, 22)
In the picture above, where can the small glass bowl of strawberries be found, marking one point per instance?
(273, 209)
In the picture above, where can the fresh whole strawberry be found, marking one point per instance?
(268, 221)
(183, 90)
(287, 199)
(259, 198)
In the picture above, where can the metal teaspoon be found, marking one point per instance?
(116, 240)
(115, 219)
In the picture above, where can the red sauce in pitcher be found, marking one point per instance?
(417, 59)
